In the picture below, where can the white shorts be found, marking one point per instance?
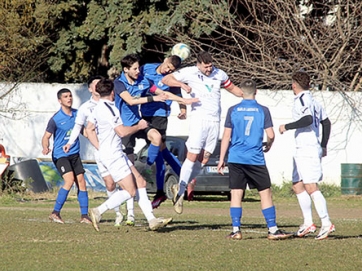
(118, 167)
(307, 166)
(101, 168)
(203, 134)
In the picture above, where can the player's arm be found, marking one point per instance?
(270, 136)
(225, 141)
(135, 100)
(326, 131)
(91, 134)
(76, 131)
(171, 81)
(123, 131)
(173, 97)
(301, 123)
(45, 142)
(234, 90)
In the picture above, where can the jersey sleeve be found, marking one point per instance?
(228, 123)
(81, 116)
(225, 80)
(268, 122)
(302, 107)
(182, 74)
(119, 87)
(51, 127)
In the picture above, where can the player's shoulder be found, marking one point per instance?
(188, 70)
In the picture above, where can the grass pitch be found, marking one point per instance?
(194, 240)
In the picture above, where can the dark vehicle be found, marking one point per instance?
(207, 183)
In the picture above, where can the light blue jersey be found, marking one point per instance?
(247, 120)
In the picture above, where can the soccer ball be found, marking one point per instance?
(181, 50)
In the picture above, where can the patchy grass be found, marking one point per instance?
(195, 239)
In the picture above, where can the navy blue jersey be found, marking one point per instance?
(157, 109)
(61, 125)
(130, 113)
(247, 121)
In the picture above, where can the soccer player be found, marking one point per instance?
(244, 130)
(83, 113)
(157, 115)
(308, 114)
(68, 164)
(202, 81)
(105, 131)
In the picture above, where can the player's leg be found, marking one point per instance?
(155, 138)
(160, 181)
(82, 188)
(64, 168)
(237, 182)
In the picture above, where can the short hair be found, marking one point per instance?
(248, 86)
(175, 61)
(104, 87)
(129, 60)
(204, 57)
(302, 79)
(92, 78)
(61, 91)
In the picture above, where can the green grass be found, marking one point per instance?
(194, 241)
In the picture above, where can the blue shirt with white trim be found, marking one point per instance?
(248, 120)
(61, 125)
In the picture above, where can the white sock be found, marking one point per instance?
(305, 204)
(145, 204)
(115, 200)
(109, 194)
(196, 170)
(320, 205)
(130, 207)
(186, 171)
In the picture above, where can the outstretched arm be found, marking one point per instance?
(171, 81)
(235, 90)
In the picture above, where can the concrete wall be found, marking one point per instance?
(25, 112)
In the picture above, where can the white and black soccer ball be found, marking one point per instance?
(181, 50)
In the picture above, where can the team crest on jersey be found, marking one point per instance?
(209, 88)
(140, 86)
(160, 84)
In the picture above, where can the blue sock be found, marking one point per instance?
(83, 202)
(160, 172)
(172, 161)
(61, 198)
(235, 214)
(270, 216)
(152, 153)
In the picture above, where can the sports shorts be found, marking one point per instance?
(118, 167)
(307, 165)
(203, 134)
(71, 163)
(255, 176)
(101, 168)
(129, 142)
(159, 123)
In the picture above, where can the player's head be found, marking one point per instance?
(104, 87)
(65, 97)
(92, 82)
(248, 88)
(300, 81)
(130, 66)
(170, 64)
(204, 63)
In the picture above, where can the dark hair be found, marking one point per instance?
(302, 79)
(204, 57)
(248, 86)
(129, 60)
(61, 91)
(104, 87)
(92, 78)
(175, 61)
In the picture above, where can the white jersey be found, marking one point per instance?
(304, 105)
(84, 111)
(206, 88)
(106, 118)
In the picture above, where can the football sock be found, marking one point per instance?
(270, 216)
(305, 204)
(83, 202)
(115, 200)
(152, 154)
(145, 204)
(196, 170)
(172, 161)
(160, 172)
(109, 194)
(236, 214)
(61, 198)
(130, 207)
(185, 174)
(320, 205)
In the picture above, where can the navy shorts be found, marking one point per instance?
(70, 163)
(129, 142)
(255, 176)
(159, 123)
